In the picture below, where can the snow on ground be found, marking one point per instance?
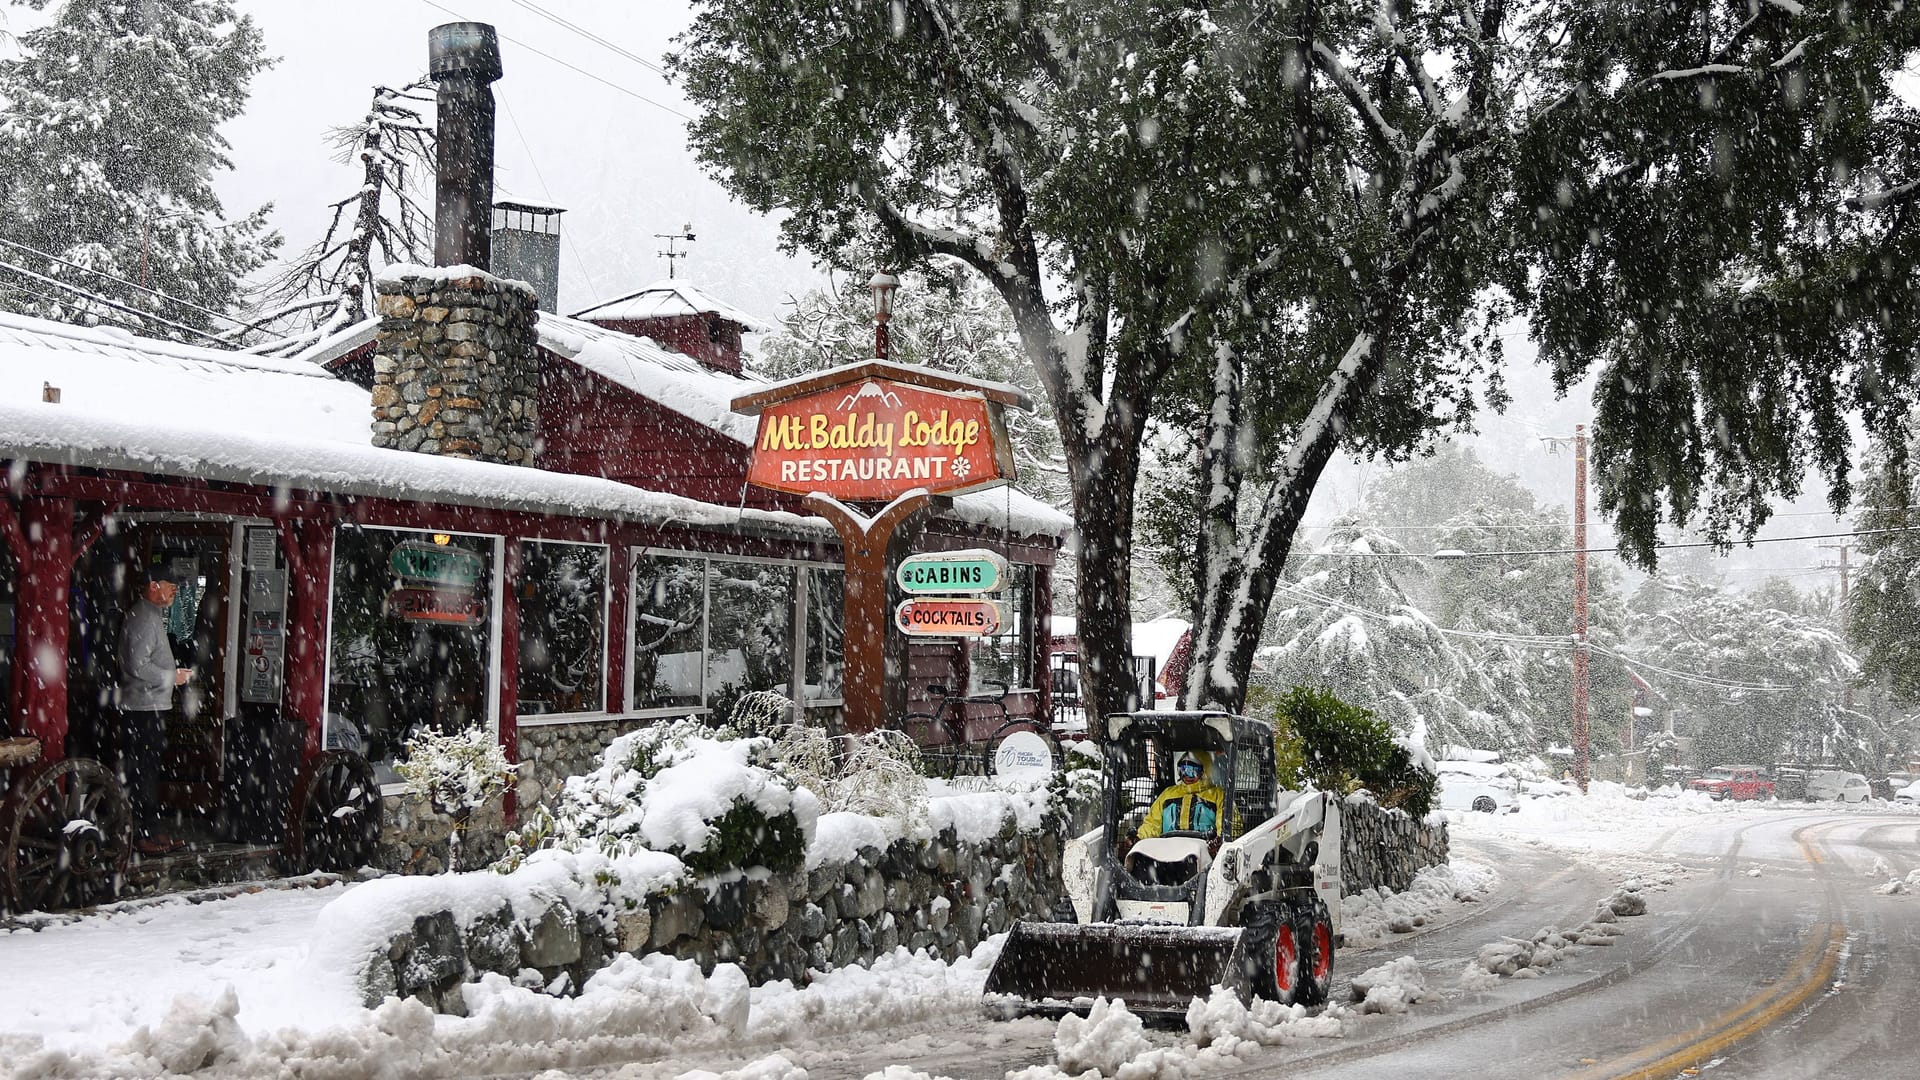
(1614, 824)
(93, 981)
(1372, 917)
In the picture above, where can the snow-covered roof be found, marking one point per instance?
(671, 378)
(136, 403)
(668, 298)
(152, 406)
(1157, 639)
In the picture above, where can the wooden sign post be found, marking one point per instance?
(871, 445)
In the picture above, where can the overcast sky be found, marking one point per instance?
(606, 141)
(598, 132)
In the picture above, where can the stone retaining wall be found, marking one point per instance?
(1382, 848)
(549, 753)
(943, 896)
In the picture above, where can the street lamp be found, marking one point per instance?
(883, 285)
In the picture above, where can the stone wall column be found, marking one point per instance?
(455, 370)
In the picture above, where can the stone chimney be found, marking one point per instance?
(456, 371)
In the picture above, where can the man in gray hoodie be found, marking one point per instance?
(148, 676)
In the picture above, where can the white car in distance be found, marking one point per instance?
(1909, 794)
(1835, 785)
(1486, 786)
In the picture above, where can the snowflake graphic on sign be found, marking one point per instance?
(961, 466)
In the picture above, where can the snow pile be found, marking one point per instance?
(1228, 1025)
(1611, 819)
(973, 816)
(1105, 1040)
(1392, 987)
(636, 1009)
(1371, 917)
(1528, 958)
(1899, 886)
(715, 803)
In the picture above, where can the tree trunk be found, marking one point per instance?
(1103, 512)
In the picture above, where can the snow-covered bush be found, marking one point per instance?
(1337, 746)
(715, 802)
(457, 774)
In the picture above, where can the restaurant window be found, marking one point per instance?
(410, 647)
(563, 616)
(826, 636)
(1007, 657)
(706, 631)
(669, 631)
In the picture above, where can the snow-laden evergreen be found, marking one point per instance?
(1347, 624)
(109, 139)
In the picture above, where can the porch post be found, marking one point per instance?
(308, 546)
(620, 580)
(40, 643)
(510, 666)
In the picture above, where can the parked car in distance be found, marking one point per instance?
(1735, 782)
(1908, 794)
(1834, 784)
(1486, 786)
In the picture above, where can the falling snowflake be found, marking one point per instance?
(961, 467)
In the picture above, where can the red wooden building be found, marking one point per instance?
(630, 574)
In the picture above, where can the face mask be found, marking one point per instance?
(1189, 771)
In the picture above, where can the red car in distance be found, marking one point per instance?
(1734, 782)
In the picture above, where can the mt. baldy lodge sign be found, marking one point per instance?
(878, 439)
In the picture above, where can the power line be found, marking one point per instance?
(566, 235)
(605, 82)
(123, 281)
(582, 31)
(1603, 551)
(143, 316)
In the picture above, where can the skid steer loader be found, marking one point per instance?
(1174, 894)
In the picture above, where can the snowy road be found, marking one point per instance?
(1769, 950)
(1778, 941)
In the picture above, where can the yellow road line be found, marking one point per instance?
(1721, 1033)
(1725, 1038)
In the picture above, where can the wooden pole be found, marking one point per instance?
(1580, 760)
(870, 698)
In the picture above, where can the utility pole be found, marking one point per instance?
(1580, 606)
(1580, 732)
(1846, 695)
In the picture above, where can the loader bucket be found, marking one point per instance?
(1062, 967)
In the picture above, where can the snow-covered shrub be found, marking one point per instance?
(759, 712)
(457, 774)
(881, 776)
(1336, 746)
(715, 802)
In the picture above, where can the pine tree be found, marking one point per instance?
(109, 138)
(1346, 624)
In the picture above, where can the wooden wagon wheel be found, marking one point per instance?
(65, 836)
(335, 817)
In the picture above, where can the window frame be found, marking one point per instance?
(606, 641)
(495, 599)
(796, 613)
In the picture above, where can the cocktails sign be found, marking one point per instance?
(878, 440)
(923, 616)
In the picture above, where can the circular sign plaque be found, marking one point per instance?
(1022, 756)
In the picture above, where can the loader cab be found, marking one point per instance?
(1163, 834)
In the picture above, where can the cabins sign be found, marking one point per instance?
(438, 584)
(878, 439)
(974, 570)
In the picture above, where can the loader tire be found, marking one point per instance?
(1316, 956)
(1272, 943)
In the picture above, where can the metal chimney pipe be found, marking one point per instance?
(463, 59)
